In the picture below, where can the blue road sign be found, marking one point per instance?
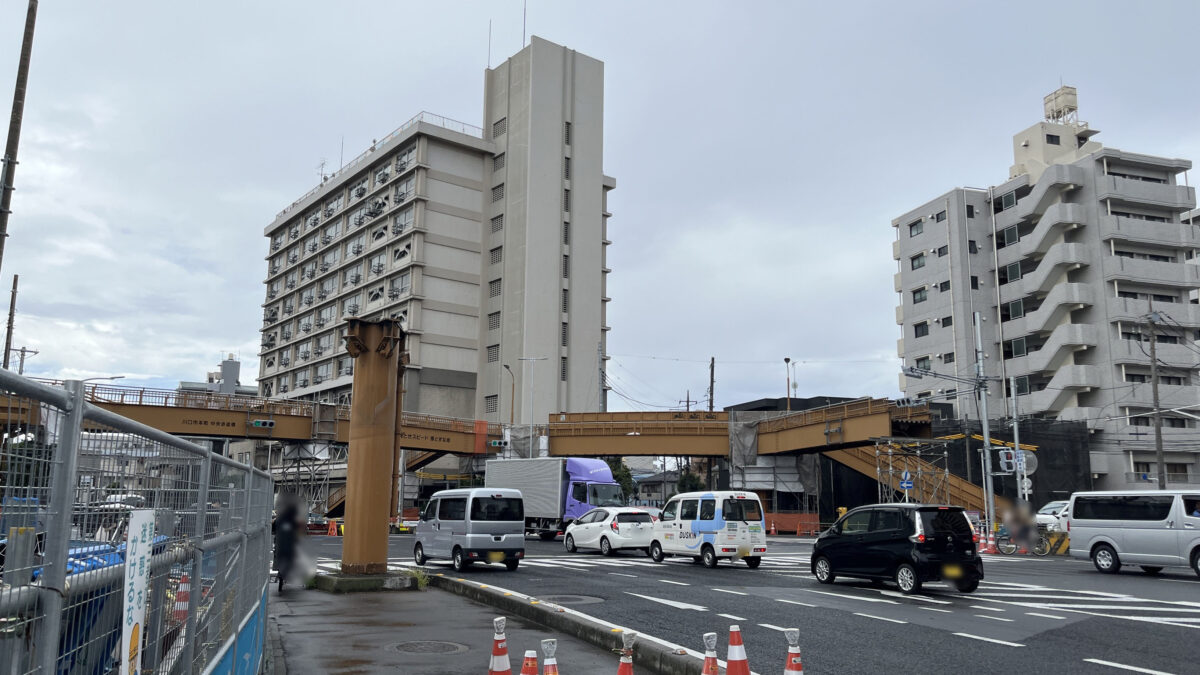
(906, 485)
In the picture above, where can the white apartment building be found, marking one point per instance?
(1065, 261)
(487, 243)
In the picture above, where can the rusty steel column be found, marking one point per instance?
(376, 347)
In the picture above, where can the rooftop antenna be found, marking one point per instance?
(342, 154)
(524, 14)
(489, 44)
(321, 170)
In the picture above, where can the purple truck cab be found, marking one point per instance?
(556, 490)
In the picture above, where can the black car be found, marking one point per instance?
(907, 543)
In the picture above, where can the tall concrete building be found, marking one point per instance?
(1067, 262)
(487, 243)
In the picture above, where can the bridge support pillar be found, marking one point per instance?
(376, 347)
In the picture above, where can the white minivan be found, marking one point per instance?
(711, 526)
(1150, 528)
(471, 525)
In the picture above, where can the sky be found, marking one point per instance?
(761, 150)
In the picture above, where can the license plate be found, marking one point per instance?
(952, 572)
(495, 556)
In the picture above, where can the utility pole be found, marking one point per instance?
(1151, 318)
(687, 402)
(600, 365)
(989, 493)
(788, 391)
(12, 312)
(712, 379)
(23, 351)
(532, 418)
(8, 163)
(1018, 453)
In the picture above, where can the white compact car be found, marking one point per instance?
(610, 529)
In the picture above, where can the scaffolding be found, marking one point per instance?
(912, 470)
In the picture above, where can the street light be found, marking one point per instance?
(788, 392)
(110, 377)
(512, 397)
(533, 361)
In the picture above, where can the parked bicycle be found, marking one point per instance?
(1006, 544)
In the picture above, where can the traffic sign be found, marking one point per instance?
(1027, 484)
(906, 484)
(1031, 461)
(906, 476)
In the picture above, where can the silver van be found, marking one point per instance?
(472, 525)
(1150, 528)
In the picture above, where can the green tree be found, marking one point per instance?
(622, 475)
(690, 482)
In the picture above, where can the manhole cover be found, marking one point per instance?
(571, 599)
(428, 647)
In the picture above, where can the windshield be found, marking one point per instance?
(742, 509)
(945, 521)
(605, 495)
(1053, 507)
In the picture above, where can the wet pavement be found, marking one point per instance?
(428, 632)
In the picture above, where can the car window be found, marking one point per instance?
(857, 523)
(708, 509)
(1191, 505)
(497, 508)
(946, 521)
(1122, 507)
(587, 517)
(634, 518)
(886, 519)
(1052, 507)
(747, 510)
(688, 510)
(579, 492)
(672, 507)
(454, 508)
(430, 510)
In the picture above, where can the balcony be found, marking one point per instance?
(900, 315)
(1066, 383)
(896, 252)
(1093, 416)
(1141, 395)
(898, 282)
(1151, 478)
(1177, 198)
(1132, 311)
(1131, 351)
(1063, 342)
(1177, 274)
(1149, 232)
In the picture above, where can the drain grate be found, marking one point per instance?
(427, 647)
(571, 599)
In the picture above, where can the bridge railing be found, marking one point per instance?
(116, 535)
(839, 411)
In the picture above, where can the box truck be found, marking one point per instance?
(556, 490)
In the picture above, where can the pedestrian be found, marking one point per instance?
(286, 530)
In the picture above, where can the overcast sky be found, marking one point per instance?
(761, 150)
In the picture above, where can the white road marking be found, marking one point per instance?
(936, 609)
(618, 574)
(881, 618)
(794, 602)
(990, 609)
(988, 639)
(1122, 666)
(670, 603)
(677, 583)
(922, 598)
(1063, 605)
(1181, 581)
(732, 617)
(722, 590)
(851, 597)
(993, 618)
(772, 627)
(1046, 616)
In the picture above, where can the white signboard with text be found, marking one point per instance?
(138, 547)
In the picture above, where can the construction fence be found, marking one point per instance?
(123, 548)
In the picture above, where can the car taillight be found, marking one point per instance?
(974, 537)
(613, 525)
(920, 538)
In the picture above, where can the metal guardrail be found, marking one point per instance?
(67, 498)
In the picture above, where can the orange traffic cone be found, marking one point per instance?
(710, 666)
(991, 545)
(183, 598)
(332, 530)
(529, 664)
(773, 532)
(793, 664)
(735, 658)
(549, 664)
(500, 664)
(626, 666)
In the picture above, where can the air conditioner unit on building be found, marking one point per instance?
(377, 268)
(306, 327)
(294, 233)
(394, 293)
(360, 191)
(326, 239)
(291, 283)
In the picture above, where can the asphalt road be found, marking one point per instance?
(1029, 615)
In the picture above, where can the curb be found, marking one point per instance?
(647, 654)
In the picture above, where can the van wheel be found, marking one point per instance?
(1151, 569)
(752, 562)
(966, 585)
(1196, 562)
(907, 579)
(1105, 559)
(460, 560)
(605, 547)
(709, 557)
(823, 571)
(419, 555)
(656, 553)
(569, 544)
(512, 564)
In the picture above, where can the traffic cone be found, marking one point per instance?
(793, 664)
(183, 598)
(549, 663)
(735, 658)
(332, 529)
(773, 532)
(500, 664)
(626, 666)
(710, 666)
(529, 664)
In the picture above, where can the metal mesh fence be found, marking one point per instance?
(72, 480)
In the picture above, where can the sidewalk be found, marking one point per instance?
(398, 632)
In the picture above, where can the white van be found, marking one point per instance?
(710, 526)
(472, 525)
(1150, 528)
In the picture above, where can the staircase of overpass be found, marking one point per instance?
(844, 432)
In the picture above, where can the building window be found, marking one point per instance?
(500, 127)
(920, 295)
(972, 247)
(1012, 310)
(974, 283)
(1053, 139)
(493, 353)
(1022, 385)
(1010, 273)
(566, 234)
(498, 162)
(921, 329)
(564, 334)
(1015, 348)
(916, 228)
(566, 133)
(566, 301)
(943, 251)
(567, 201)
(1135, 377)
(947, 321)
(562, 368)
(566, 266)
(940, 217)
(917, 261)
(494, 321)
(923, 363)
(494, 288)
(498, 192)
(497, 255)
(970, 211)
(944, 286)
(400, 285)
(491, 403)
(497, 223)
(948, 357)
(566, 168)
